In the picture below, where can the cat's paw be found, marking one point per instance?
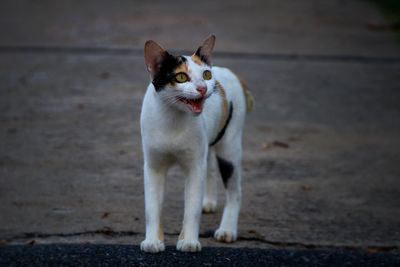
(188, 245)
(225, 236)
(209, 206)
(152, 246)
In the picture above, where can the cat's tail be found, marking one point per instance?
(249, 98)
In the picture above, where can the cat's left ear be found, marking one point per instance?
(154, 56)
(206, 49)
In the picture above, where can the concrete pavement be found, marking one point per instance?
(325, 86)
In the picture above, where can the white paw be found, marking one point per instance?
(152, 246)
(226, 236)
(209, 206)
(188, 245)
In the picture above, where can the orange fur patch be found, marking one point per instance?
(224, 106)
(181, 68)
(196, 59)
(247, 95)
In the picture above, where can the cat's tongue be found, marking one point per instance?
(197, 105)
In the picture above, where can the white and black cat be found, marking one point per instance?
(192, 115)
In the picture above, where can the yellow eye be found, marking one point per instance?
(181, 77)
(207, 75)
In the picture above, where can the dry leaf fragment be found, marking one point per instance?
(12, 130)
(105, 75)
(379, 26)
(380, 249)
(294, 139)
(264, 146)
(306, 188)
(280, 144)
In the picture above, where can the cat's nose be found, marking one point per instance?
(202, 90)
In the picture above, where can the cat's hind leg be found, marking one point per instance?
(229, 158)
(211, 192)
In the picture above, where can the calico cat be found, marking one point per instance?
(192, 115)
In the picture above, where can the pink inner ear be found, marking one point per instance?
(153, 54)
(205, 50)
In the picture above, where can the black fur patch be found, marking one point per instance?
(226, 170)
(222, 132)
(166, 73)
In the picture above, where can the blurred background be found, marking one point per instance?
(321, 149)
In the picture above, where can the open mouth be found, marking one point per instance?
(195, 105)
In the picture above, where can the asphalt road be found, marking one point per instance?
(321, 148)
(125, 255)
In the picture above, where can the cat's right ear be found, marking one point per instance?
(206, 49)
(153, 56)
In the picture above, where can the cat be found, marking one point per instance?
(192, 115)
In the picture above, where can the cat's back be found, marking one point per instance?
(224, 75)
(232, 87)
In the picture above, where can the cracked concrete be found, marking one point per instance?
(70, 151)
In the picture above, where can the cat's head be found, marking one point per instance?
(183, 82)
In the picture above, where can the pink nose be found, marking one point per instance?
(201, 90)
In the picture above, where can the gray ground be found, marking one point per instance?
(128, 255)
(72, 80)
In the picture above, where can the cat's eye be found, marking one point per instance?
(207, 75)
(181, 77)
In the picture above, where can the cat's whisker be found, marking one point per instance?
(173, 97)
(170, 100)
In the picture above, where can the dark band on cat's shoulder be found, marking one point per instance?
(222, 132)
(166, 74)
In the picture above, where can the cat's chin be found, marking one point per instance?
(194, 106)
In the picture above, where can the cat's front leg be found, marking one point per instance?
(154, 193)
(189, 237)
